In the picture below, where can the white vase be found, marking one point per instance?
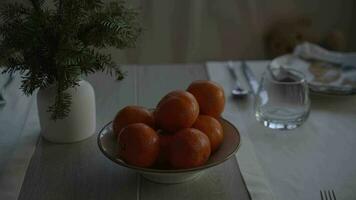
(81, 121)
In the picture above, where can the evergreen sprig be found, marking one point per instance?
(56, 46)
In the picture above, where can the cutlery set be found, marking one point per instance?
(238, 90)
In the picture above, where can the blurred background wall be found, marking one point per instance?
(179, 31)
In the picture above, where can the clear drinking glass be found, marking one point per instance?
(282, 101)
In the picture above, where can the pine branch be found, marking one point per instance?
(37, 4)
(55, 46)
(13, 63)
(11, 12)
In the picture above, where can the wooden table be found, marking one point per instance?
(80, 171)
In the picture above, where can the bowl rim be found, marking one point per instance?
(168, 171)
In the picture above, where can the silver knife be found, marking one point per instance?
(251, 79)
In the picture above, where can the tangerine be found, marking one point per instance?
(177, 110)
(165, 140)
(138, 145)
(212, 128)
(189, 148)
(130, 115)
(210, 97)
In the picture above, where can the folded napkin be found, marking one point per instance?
(312, 51)
(294, 164)
(326, 71)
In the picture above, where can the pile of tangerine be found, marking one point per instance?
(182, 132)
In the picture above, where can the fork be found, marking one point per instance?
(327, 195)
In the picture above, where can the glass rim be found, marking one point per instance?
(300, 75)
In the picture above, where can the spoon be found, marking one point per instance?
(238, 91)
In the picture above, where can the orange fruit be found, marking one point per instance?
(131, 115)
(210, 97)
(165, 140)
(177, 110)
(138, 145)
(212, 128)
(189, 148)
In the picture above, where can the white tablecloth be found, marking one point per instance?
(295, 164)
(275, 166)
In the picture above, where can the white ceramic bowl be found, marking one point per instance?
(108, 146)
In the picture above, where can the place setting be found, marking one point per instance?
(281, 130)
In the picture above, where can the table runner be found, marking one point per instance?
(294, 164)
